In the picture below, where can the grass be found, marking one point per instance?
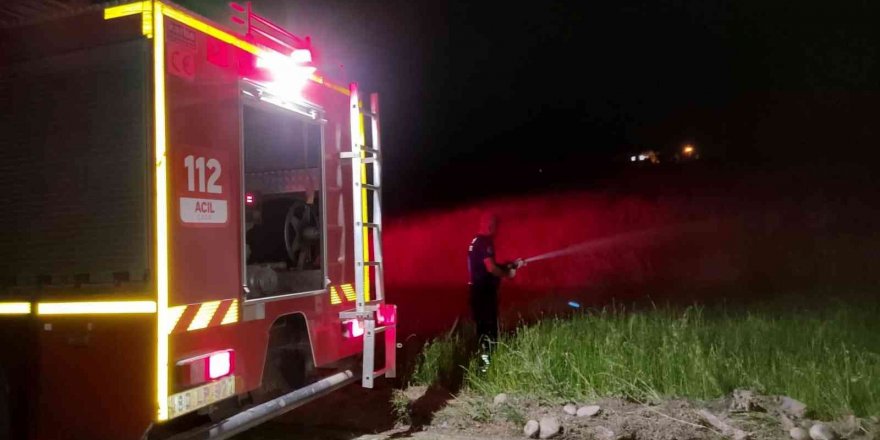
(828, 357)
(441, 360)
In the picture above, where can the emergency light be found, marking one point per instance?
(287, 74)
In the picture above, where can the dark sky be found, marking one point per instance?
(480, 96)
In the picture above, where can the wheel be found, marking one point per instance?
(301, 235)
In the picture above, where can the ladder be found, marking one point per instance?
(367, 212)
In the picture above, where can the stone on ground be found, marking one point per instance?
(501, 398)
(570, 409)
(603, 433)
(743, 401)
(787, 423)
(721, 425)
(588, 411)
(550, 427)
(799, 434)
(792, 407)
(531, 429)
(821, 431)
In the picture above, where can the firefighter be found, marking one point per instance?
(485, 277)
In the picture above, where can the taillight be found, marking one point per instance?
(352, 328)
(250, 199)
(206, 367)
(219, 364)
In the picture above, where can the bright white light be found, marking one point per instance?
(301, 56)
(289, 74)
(219, 364)
(642, 157)
(355, 328)
(632, 159)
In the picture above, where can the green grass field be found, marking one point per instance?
(827, 357)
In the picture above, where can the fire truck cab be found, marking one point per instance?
(190, 234)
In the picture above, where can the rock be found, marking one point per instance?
(849, 426)
(550, 427)
(821, 431)
(570, 409)
(798, 434)
(588, 411)
(603, 433)
(792, 407)
(787, 423)
(501, 398)
(721, 425)
(531, 429)
(743, 401)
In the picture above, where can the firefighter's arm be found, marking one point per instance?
(498, 270)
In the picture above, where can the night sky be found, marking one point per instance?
(485, 98)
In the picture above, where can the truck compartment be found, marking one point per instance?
(73, 167)
(283, 217)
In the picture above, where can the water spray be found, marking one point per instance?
(595, 244)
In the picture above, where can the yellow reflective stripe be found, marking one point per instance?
(15, 308)
(334, 296)
(204, 315)
(96, 307)
(231, 315)
(206, 28)
(125, 10)
(145, 8)
(349, 292)
(174, 314)
(364, 194)
(161, 196)
(147, 20)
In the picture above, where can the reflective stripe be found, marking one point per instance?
(231, 315)
(199, 316)
(96, 307)
(349, 292)
(145, 8)
(15, 308)
(204, 315)
(335, 299)
(126, 10)
(161, 197)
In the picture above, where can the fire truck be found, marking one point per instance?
(190, 227)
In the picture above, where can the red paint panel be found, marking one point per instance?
(90, 363)
(203, 169)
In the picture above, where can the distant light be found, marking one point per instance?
(643, 156)
(574, 304)
(632, 159)
(249, 199)
(688, 149)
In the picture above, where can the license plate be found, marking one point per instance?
(200, 397)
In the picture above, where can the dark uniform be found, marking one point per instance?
(484, 289)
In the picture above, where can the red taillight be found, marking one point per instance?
(387, 314)
(250, 199)
(219, 364)
(206, 367)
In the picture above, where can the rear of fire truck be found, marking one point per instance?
(190, 227)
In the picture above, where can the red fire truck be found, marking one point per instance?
(189, 228)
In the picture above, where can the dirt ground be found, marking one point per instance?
(357, 413)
